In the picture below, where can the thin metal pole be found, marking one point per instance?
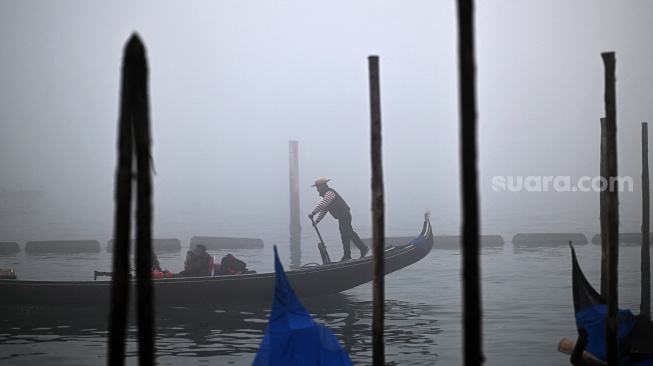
(378, 218)
(645, 302)
(472, 330)
(612, 209)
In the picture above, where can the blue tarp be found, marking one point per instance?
(593, 319)
(293, 337)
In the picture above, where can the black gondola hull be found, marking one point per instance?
(257, 287)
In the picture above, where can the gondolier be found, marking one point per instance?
(333, 203)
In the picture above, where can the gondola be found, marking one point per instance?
(635, 332)
(308, 281)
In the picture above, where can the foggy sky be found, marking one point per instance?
(232, 82)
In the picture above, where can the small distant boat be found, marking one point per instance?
(635, 332)
(292, 336)
(19, 200)
(308, 281)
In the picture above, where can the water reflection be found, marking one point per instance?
(411, 331)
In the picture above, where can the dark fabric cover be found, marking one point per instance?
(232, 265)
(640, 338)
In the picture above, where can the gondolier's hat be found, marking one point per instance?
(320, 182)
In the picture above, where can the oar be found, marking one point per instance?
(567, 346)
(323, 250)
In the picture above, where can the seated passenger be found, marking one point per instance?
(189, 256)
(157, 272)
(197, 262)
(156, 266)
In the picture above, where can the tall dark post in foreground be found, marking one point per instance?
(378, 216)
(645, 302)
(472, 332)
(604, 235)
(120, 282)
(611, 209)
(295, 226)
(134, 118)
(141, 126)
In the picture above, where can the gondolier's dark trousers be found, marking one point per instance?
(347, 234)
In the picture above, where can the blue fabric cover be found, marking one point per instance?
(593, 319)
(419, 242)
(292, 337)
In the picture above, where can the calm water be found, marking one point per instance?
(527, 300)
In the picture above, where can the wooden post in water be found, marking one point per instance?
(120, 280)
(645, 302)
(378, 218)
(142, 139)
(602, 218)
(133, 129)
(611, 209)
(295, 225)
(472, 329)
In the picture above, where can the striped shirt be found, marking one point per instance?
(322, 208)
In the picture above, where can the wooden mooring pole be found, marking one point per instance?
(472, 329)
(378, 215)
(602, 218)
(142, 139)
(120, 280)
(134, 131)
(645, 301)
(611, 209)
